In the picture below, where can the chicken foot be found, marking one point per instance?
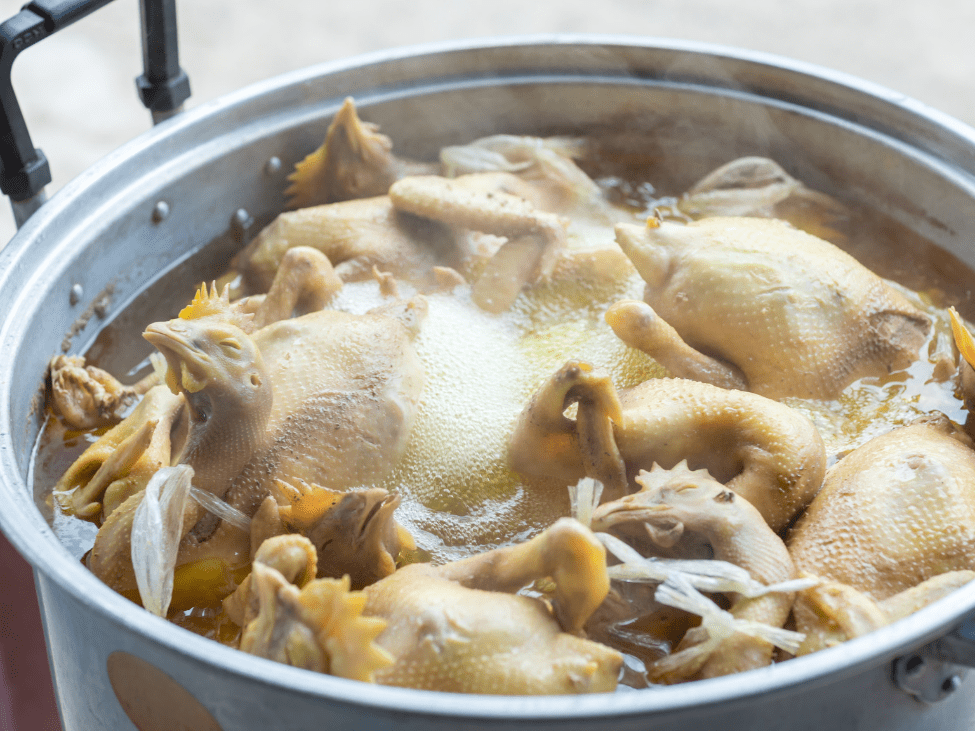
(87, 397)
(123, 460)
(565, 552)
(546, 442)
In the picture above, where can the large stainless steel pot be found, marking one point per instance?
(204, 175)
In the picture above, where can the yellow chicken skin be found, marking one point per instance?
(895, 512)
(317, 625)
(761, 449)
(498, 214)
(120, 464)
(456, 628)
(548, 222)
(355, 235)
(671, 503)
(765, 306)
(85, 396)
(965, 344)
(306, 428)
(353, 532)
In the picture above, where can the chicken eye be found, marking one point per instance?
(230, 344)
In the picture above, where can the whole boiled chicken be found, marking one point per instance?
(756, 304)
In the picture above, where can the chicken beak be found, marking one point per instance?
(186, 371)
(625, 511)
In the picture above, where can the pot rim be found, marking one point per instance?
(28, 532)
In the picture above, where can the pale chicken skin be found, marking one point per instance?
(761, 449)
(757, 304)
(672, 502)
(455, 628)
(832, 612)
(286, 411)
(757, 186)
(502, 222)
(548, 222)
(354, 532)
(327, 398)
(895, 512)
(355, 235)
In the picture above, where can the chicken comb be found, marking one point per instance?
(306, 187)
(210, 303)
(659, 477)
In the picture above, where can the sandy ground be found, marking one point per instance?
(79, 98)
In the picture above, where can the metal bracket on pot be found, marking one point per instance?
(24, 170)
(937, 670)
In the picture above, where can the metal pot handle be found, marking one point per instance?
(163, 87)
(936, 670)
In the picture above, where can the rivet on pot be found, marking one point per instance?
(74, 296)
(160, 211)
(951, 684)
(273, 166)
(914, 665)
(926, 678)
(241, 221)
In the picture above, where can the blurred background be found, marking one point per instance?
(78, 94)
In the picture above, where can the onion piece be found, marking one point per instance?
(221, 509)
(583, 498)
(712, 576)
(157, 527)
(678, 592)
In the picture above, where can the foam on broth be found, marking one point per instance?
(459, 495)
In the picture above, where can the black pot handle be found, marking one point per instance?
(163, 87)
